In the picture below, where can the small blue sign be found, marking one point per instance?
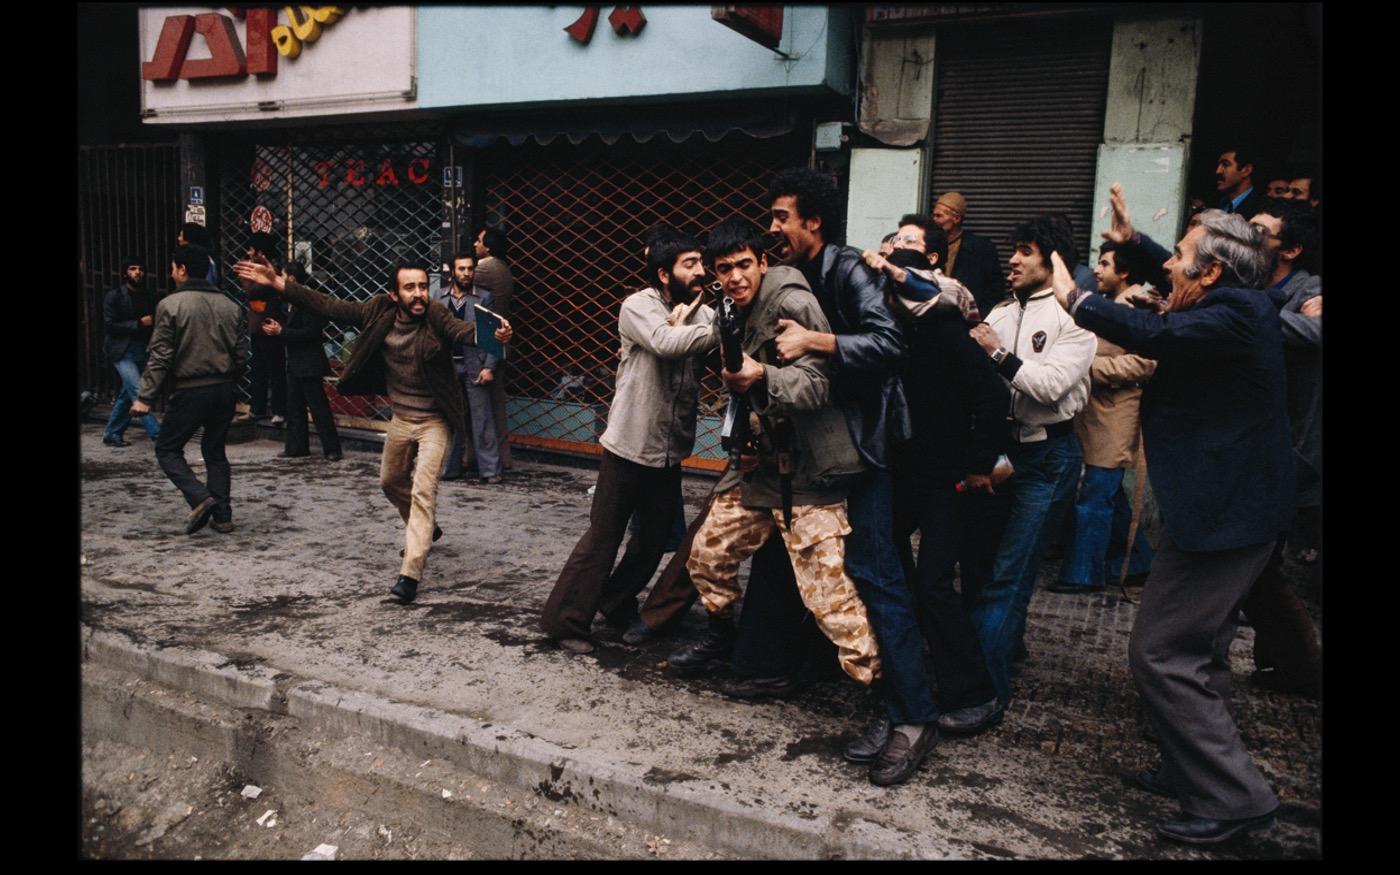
(196, 194)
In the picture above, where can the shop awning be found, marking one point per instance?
(641, 123)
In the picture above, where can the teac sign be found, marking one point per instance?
(265, 39)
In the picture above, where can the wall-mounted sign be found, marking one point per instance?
(195, 213)
(251, 62)
(196, 194)
(624, 20)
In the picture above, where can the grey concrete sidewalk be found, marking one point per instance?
(299, 594)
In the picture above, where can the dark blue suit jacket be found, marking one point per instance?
(1214, 415)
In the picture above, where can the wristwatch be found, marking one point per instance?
(1001, 353)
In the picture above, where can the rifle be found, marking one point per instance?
(735, 435)
(776, 438)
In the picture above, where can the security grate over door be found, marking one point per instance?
(128, 204)
(347, 212)
(1019, 119)
(576, 215)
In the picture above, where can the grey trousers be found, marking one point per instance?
(1179, 656)
(486, 448)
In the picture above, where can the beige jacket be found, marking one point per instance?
(652, 418)
(1108, 426)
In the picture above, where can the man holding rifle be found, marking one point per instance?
(789, 471)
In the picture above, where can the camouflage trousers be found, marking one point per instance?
(732, 533)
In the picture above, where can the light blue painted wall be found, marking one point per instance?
(503, 55)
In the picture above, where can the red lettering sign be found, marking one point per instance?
(416, 170)
(386, 174)
(262, 53)
(624, 20)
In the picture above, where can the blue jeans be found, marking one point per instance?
(873, 564)
(129, 367)
(1046, 472)
(1101, 520)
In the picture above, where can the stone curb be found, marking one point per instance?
(678, 805)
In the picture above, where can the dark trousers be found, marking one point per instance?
(269, 373)
(873, 565)
(674, 592)
(935, 508)
(304, 392)
(1284, 636)
(589, 579)
(209, 408)
(777, 634)
(1179, 655)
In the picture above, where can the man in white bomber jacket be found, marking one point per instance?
(1045, 359)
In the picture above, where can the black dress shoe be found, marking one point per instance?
(973, 719)
(868, 745)
(776, 687)
(1148, 780)
(900, 758)
(450, 477)
(405, 589)
(709, 653)
(639, 633)
(116, 442)
(199, 517)
(1208, 831)
(334, 457)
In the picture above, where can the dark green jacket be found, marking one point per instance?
(825, 460)
(364, 372)
(197, 339)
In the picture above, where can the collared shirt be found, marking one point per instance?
(1234, 204)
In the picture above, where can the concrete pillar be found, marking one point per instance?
(896, 108)
(1148, 116)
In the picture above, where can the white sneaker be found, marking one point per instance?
(278, 420)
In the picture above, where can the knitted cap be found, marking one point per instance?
(954, 201)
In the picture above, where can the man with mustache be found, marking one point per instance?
(404, 351)
(1234, 179)
(651, 428)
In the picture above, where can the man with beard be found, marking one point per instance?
(476, 369)
(404, 351)
(651, 428)
(127, 313)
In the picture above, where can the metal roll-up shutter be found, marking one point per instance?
(1018, 121)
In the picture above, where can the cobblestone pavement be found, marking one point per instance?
(302, 584)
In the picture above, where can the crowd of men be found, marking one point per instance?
(873, 394)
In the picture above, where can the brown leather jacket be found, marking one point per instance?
(364, 372)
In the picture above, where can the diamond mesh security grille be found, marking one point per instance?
(347, 211)
(576, 216)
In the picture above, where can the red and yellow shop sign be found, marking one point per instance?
(264, 40)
